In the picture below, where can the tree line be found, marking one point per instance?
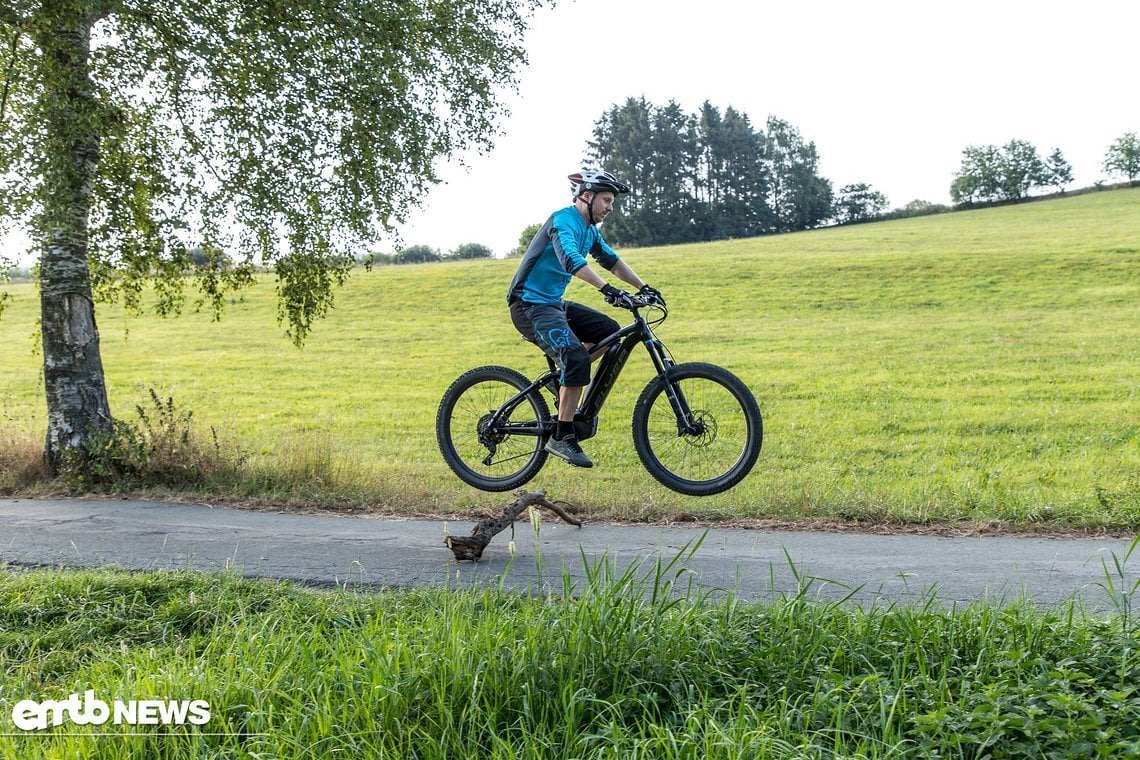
(707, 176)
(713, 175)
(722, 178)
(1010, 172)
(421, 253)
(1007, 173)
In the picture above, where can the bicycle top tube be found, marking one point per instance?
(639, 324)
(614, 337)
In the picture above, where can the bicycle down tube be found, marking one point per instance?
(620, 346)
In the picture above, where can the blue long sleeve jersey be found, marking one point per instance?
(555, 254)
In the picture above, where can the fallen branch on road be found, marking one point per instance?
(471, 547)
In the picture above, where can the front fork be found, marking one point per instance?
(687, 423)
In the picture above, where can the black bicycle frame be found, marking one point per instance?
(617, 346)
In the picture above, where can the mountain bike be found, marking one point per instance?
(697, 428)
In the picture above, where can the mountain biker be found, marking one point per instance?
(565, 330)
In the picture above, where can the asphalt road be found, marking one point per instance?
(356, 551)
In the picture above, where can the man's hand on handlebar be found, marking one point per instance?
(651, 295)
(617, 297)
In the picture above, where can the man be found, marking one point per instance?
(566, 330)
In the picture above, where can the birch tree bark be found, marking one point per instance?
(74, 383)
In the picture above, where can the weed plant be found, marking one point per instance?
(161, 448)
(978, 366)
(631, 663)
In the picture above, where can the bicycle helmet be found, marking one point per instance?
(596, 180)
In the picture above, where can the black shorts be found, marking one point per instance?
(560, 330)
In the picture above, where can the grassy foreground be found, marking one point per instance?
(981, 366)
(621, 667)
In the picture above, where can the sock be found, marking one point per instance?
(563, 429)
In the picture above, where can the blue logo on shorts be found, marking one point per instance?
(559, 338)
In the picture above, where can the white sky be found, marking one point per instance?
(890, 91)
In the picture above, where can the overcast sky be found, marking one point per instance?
(890, 91)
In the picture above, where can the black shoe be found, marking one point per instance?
(568, 449)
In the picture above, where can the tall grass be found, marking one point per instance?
(631, 663)
(977, 366)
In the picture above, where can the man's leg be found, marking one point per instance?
(588, 326)
(568, 398)
(546, 325)
(564, 443)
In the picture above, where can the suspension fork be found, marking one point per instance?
(686, 423)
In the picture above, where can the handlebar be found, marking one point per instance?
(638, 302)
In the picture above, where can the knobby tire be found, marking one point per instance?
(731, 435)
(467, 404)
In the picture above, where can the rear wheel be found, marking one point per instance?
(719, 446)
(490, 458)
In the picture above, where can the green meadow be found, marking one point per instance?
(978, 367)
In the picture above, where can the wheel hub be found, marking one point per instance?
(702, 431)
(486, 436)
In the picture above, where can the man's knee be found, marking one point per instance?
(576, 366)
(610, 325)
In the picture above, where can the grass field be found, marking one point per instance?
(978, 367)
(624, 665)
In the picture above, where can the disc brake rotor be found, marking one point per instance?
(703, 432)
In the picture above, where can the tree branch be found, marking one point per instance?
(472, 547)
(8, 74)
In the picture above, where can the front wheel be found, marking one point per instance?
(492, 456)
(711, 451)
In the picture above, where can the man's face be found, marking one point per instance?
(602, 206)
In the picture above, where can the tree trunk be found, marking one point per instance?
(77, 405)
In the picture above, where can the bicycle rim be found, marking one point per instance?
(491, 460)
(727, 442)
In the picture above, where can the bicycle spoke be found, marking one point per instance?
(711, 449)
(491, 458)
